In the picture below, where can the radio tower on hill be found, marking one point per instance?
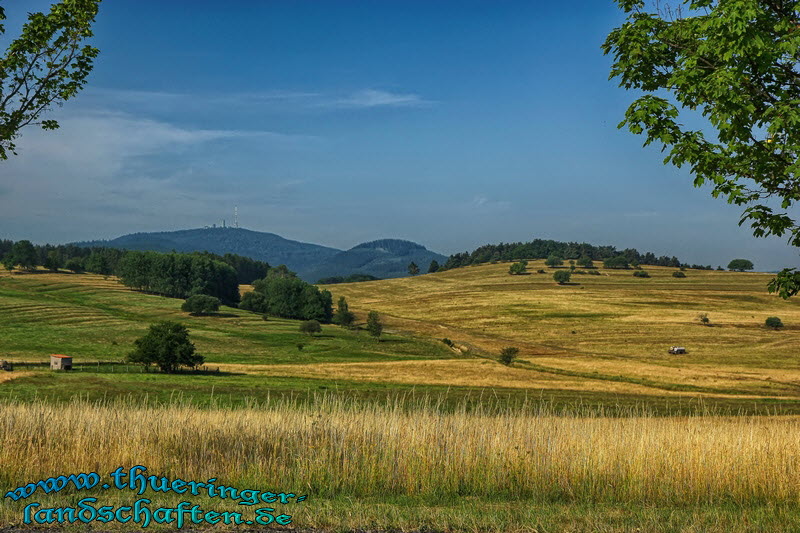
(236, 217)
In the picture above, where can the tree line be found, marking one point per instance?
(543, 248)
(104, 261)
(178, 275)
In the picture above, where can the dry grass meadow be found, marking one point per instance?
(612, 328)
(354, 452)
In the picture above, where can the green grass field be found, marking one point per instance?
(96, 319)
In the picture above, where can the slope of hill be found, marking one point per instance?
(612, 328)
(385, 258)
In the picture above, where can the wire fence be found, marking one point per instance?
(106, 367)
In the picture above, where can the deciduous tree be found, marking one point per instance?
(167, 346)
(735, 63)
(47, 64)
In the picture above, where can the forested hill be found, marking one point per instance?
(541, 249)
(385, 258)
(273, 249)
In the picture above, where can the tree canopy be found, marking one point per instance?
(47, 64)
(562, 276)
(544, 248)
(167, 346)
(201, 304)
(289, 297)
(740, 265)
(734, 63)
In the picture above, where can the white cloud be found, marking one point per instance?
(369, 98)
(103, 169)
(276, 100)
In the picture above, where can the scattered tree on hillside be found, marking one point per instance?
(201, 304)
(310, 327)
(616, 262)
(343, 316)
(735, 63)
(517, 268)
(773, 322)
(553, 261)
(585, 262)
(167, 346)
(703, 318)
(641, 274)
(740, 265)
(562, 276)
(678, 274)
(374, 325)
(413, 269)
(508, 354)
(434, 266)
(45, 65)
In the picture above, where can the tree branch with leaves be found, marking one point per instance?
(46, 65)
(735, 62)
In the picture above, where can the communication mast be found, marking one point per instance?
(236, 217)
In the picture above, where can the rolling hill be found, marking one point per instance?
(387, 258)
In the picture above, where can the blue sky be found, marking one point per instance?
(453, 124)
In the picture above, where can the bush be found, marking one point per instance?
(447, 342)
(773, 322)
(616, 262)
(541, 271)
(678, 274)
(553, 261)
(508, 354)
(309, 327)
(703, 318)
(518, 268)
(641, 274)
(166, 345)
(201, 304)
(594, 272)
(561, 277)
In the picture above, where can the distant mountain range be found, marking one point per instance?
(386, 258)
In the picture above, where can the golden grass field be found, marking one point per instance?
(613, 328)
(336, 448)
